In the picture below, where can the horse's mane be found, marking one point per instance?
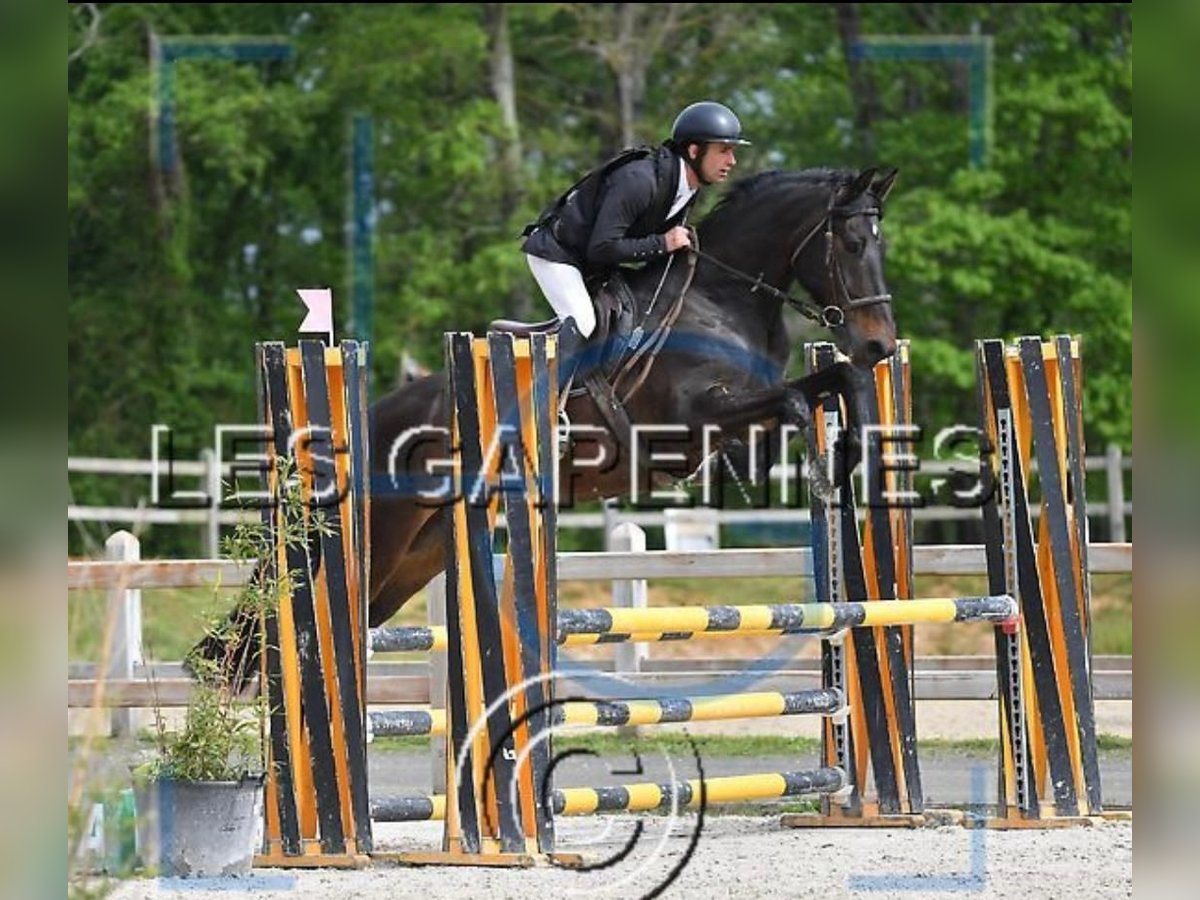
(769, 197)
(776, 181)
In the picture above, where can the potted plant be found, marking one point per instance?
(199, 801)
(199, 798)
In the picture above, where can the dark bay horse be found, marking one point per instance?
(721, 362)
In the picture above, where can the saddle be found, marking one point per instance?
(616, 316)
(626, 341)
(614, 337)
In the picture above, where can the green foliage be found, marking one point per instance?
(217, 743)
(223, 736)
(969, 266)
(173, 275)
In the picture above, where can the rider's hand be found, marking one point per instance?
(677, 238)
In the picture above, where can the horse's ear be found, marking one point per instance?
(881, 188)
(856, 188)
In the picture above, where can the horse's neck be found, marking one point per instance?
(656, 289)
(736, 296)
(759, 252)
(764, 239)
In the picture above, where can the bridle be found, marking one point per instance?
(831, 316)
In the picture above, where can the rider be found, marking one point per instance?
(632, 212)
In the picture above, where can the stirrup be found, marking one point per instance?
(564, 429)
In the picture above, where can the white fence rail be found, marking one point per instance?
(131, 682)
(928, 559)
(1112, 511)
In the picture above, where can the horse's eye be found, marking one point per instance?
(853, 245)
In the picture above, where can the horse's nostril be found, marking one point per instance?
(878, 349)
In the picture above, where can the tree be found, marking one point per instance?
(484, 112)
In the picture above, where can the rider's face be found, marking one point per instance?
(716, 162)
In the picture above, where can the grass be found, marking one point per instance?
(728, 746)
(173, 619)
(1112, 614)
(674, 743)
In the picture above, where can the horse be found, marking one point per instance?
(713, 352)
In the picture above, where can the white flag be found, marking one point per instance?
(320, 310)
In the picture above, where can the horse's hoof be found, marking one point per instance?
(817, 482)
(796, 410)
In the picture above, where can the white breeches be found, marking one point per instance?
(563, 286)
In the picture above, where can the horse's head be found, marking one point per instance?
(820, 227)
(850, 285)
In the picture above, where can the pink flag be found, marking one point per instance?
(320, 310)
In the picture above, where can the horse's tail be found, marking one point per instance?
(228, 654)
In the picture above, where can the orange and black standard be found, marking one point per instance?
(501, 651)
(1031, 409)
(313, 401)
(872, 666)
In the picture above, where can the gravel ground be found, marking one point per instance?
(734, 857)
(742, 856)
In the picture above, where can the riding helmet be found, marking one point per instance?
(707, 121)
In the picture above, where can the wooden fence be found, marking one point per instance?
(122, 679)
(206, 475)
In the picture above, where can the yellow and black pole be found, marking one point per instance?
(684, 794)
(656, 711)
(580, 627)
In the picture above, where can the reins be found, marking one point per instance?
(830, 316)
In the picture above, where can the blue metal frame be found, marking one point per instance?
(166, 51)
(974, 50)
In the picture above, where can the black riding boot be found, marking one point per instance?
(576, 360)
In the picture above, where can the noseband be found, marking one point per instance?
(830, 316)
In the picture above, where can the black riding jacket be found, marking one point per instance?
(624, 223)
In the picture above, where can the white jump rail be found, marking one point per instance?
(930, 559)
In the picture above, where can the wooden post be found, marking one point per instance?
(124, 610)
(691, 529)
(612, 518)
(876, 742)
(212, 485)
(435, 600)
(501, 392)
(628, 538)
(1116, 494)
(317, 806)
(1030, 400)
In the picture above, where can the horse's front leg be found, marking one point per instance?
(851, 384)
(734, 413)
(793, 403)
